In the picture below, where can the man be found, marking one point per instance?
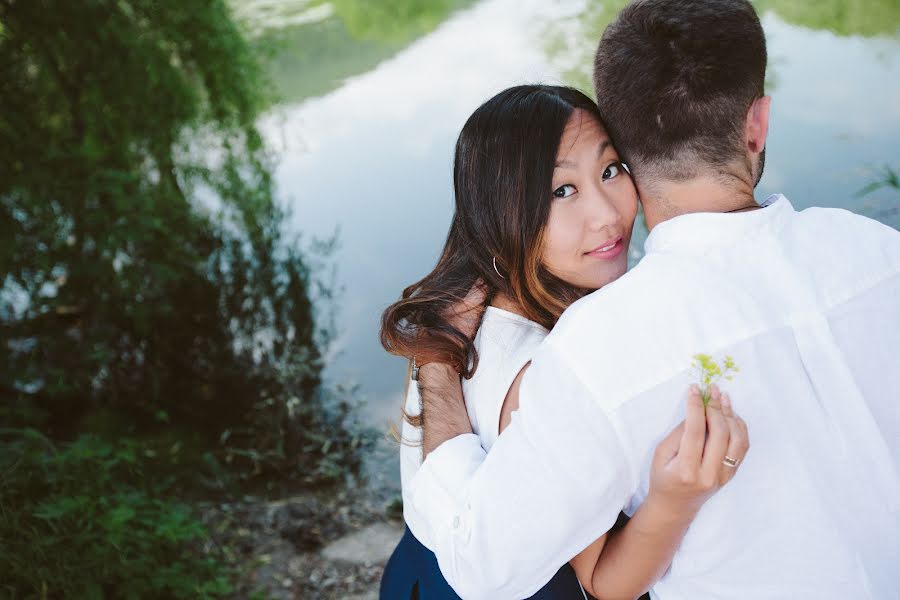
(807, 303)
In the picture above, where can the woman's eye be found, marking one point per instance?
(612, 170)
(564, 191)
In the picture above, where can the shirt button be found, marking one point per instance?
(456, 522)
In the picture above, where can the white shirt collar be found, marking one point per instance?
(698, 230)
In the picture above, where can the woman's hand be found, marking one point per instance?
(699, 456)
(688, 467)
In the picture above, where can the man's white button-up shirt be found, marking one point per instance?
(808, 305)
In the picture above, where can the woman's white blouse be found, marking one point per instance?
(505, 343)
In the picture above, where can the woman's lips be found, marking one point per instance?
(609, 250)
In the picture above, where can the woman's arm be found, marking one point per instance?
(625, 563)
(687, 469)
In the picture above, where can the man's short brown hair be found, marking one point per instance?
(674, 81)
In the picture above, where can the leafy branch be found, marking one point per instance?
(889, 178)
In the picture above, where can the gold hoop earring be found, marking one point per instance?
(496, 270)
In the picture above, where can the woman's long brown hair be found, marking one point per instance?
(502, 179)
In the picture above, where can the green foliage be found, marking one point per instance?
(393, 21)
(888, 178)
(351, 38)
(886, 208)
(325, 53)
(86, 521)
(147, 273)
(709, 373)
(843, 17)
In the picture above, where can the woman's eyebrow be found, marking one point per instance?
(606, 143)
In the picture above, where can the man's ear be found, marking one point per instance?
(758, 124)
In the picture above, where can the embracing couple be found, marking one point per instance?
(555, 441)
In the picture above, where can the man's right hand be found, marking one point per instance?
(443, 406)
(466, 314)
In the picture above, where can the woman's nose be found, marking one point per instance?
(601, 212)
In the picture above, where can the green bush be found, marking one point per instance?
(85, 521)
(151, 293)
(147, 270)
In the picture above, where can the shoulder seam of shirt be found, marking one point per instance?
(863, 286)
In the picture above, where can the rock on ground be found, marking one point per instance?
(309, 547)
(370, 545)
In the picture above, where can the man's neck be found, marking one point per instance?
(668, 200)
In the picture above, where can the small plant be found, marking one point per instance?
(710, 373)
(86, 520)
(888, 178)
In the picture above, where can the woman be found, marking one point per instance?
(544, 214)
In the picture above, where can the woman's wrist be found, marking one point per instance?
(667, 510)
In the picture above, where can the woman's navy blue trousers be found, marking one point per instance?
(412, 573)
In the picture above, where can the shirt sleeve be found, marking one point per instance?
(502, 524)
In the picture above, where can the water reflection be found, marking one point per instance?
(841, 17)
(372, 157)
(314, 46)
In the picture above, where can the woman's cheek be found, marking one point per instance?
(561, 240)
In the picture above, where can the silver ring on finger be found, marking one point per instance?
(730, 462)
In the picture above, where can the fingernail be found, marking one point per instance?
(726, 400)
(695, 389)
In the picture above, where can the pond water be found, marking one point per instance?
(372, 104)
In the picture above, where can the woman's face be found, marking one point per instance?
(594, 203)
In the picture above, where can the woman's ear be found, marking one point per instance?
(757, 127)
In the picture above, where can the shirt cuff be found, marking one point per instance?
(435, 493)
